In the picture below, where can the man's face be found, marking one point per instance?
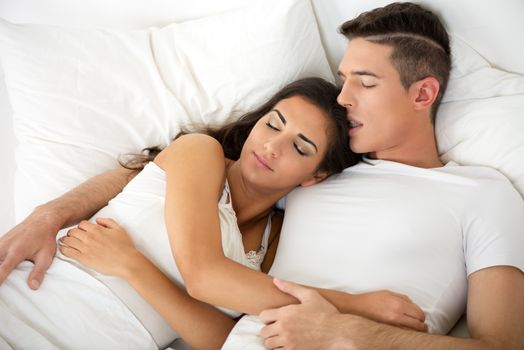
(379, 107)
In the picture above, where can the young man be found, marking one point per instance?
(394, 73)
(391, 100)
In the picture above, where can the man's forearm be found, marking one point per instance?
(365, 334)
(86, 199)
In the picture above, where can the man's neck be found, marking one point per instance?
(420, 151)
(419, 161)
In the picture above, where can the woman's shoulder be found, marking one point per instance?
(197, 142)
(194, 146)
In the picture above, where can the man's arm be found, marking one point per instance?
(34, 238)
(495, 320)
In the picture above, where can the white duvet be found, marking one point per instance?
(78, 308)
(57, 315)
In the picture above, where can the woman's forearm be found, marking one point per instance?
(226, 283)
(201, 325)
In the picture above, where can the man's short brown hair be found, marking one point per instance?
(419, 40)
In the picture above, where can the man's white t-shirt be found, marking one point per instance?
(386, 225)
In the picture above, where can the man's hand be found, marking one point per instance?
(34, 240)
(308, 325)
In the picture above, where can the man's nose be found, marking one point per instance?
(345, 97)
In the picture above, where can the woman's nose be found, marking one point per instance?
(273, 147)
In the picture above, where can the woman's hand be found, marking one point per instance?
(105, 247)
(391, 308)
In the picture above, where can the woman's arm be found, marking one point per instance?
(107, 248)
(195, 171)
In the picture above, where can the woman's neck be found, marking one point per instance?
(250, 205)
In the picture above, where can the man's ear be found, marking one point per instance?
(424, 92)
(318, 177)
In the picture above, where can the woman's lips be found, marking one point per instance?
(261, 162)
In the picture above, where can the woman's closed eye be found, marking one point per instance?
(271, 126)
(299, 150)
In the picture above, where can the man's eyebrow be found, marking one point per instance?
(303, 137)
(364, 72)
(284, 121)
(358, 72)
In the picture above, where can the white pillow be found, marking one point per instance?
(81, 97)
(481, 120)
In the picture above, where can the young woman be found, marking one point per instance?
(220, 191)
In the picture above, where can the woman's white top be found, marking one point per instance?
(140, 210)
(77, 308)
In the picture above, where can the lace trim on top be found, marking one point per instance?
(255, 258)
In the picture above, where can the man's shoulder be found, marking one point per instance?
(475, 171)
(486, 179)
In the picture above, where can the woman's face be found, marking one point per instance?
(286, 146)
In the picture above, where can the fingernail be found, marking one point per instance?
(35, 284)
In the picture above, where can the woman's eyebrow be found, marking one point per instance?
(302, 136)
(284, 121)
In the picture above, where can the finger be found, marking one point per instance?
(273, 342)
(268, 316)
(9, 263)
(269, 330)
(414, 311)
(71, 242)
(410, 322)
(88, 226)
(402, 296)
(301, 293)
(69, 252)
(107, 222)
(77, 233)
(42, 263)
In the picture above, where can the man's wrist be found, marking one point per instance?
(54, 218)
(340, 339)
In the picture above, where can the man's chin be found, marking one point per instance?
(359, 148)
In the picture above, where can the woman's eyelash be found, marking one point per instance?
(271, 126)
(367, 86)
(302, 153)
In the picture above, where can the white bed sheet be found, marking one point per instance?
(7, 161)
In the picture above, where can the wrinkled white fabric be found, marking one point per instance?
(77, 308)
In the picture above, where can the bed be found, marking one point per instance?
(40, 149)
